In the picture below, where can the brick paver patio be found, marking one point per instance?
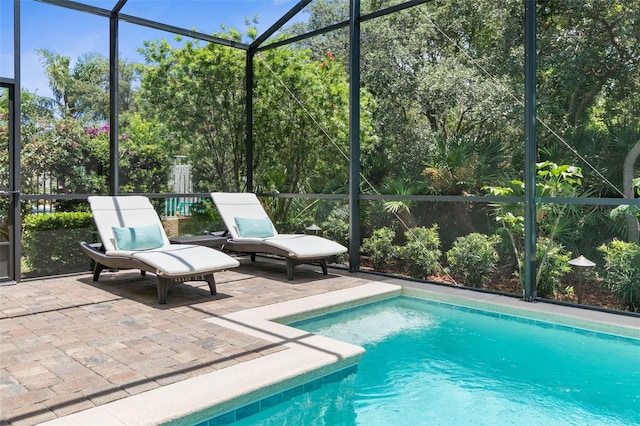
(69, 344)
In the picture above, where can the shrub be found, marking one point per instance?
(473, 256)
(622, 267)
(553, 263)
(51, 242)
(422, 251)
(204, 217)
(336, 229)
(379, 247)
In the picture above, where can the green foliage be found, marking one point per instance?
(198, 93)
(575, 71)
(625, 210)
(400, 209)
(294, 225)
(557, 180)
(622, 268)
(379, 247)
(144, 163)
(301, 117)
(421, 251)
(473, 256)
(552, 181)
(440, 102)
(51, 242)
(73, 156)
(445, 76)
(336, 228)
(461, 164)
(76, 158)
(64, 220)
(552, 265)
(204, 217)
(81, 91)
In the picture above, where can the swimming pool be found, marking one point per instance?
(435, 363)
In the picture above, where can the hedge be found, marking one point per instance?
(51, 243)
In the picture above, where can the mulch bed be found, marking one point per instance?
(594, 290)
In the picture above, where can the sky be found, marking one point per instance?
(71, 33)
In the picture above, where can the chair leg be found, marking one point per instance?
(290, 265)
(253, 257)
(323, 265)
(163, 289)
(97, 269)
(211, 280)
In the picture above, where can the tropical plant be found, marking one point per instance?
(553, 181)
(81, 91)
(553, 263)
(400, 209)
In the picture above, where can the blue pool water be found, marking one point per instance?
(433, 364)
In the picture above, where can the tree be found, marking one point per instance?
(452, 70)
(588, 50)
(145, 165)
(198, 93)
(82, 90)
(67, 156)
(300, 115)
(418, 66)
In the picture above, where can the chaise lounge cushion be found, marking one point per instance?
(178, 260)
(299, 246)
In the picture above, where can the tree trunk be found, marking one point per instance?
(633, 228)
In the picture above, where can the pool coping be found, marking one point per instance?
(308, 357)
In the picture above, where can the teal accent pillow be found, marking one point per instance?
(138, 238)
(254, 227)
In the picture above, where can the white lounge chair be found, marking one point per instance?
(133, 238)
(251, 231)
